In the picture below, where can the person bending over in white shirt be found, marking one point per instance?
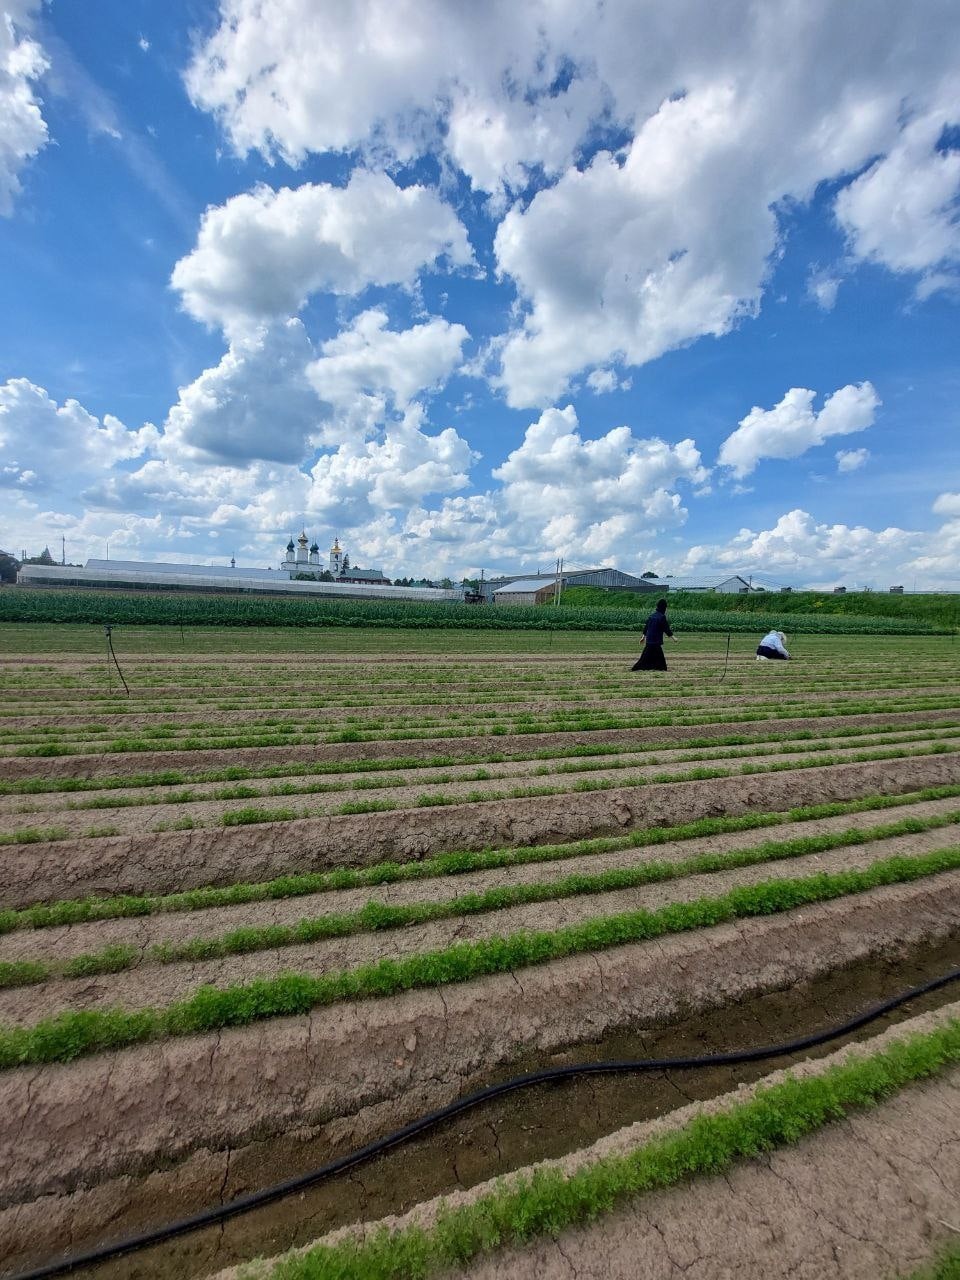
(773, 645)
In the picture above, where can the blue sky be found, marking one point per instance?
(661, 286)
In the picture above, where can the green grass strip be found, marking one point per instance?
(549, 1201)
(70, 1035)
(79, 911)
(22, 973)
(944, 1267)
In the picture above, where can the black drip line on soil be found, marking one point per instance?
(268, 1195)
(726, 661)
(108, 630)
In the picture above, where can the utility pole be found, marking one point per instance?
(63, 549)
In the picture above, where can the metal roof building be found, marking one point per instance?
(144, 577)
(526, 591)
(731, 584)
(608, 578)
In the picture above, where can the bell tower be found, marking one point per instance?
(336, 558)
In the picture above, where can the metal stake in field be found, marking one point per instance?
(726, 661)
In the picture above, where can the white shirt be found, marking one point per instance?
(772, 641)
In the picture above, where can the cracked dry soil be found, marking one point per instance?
(509, 1134)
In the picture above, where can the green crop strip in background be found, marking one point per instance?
(942, 609)
(155, 608)
(70, 1035)
(549, 1201)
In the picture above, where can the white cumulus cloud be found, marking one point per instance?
(294, 77)
(397, 471)
(256, 403)
(584, 498)
(368, 368)
(948, 504)
(723, 116)
(23, 130)
(793, 426)
(851, 459)
(902, 213)
(798, 550)
(45, 445)
(261, 255)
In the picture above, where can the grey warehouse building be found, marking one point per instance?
(609, 579)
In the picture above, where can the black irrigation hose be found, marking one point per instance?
(111, 654)
(726, 661)
(256, 1199)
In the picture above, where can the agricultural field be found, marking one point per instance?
(270, 894)
(600, 610)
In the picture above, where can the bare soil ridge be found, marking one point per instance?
(173, 861)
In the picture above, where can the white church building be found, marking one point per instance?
(300, 573)
(301, 562)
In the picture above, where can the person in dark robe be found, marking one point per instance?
(655, 628)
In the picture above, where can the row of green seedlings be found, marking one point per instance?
(205, 674)
(276, 710)
(378, 916)
(944, 1267)
(295, 723)
(469, 773)
(70, 1035)
(374, 731)
(490, 756)
(610, 688)
(254, 815)
(778, 709)
(80, 911)
(613, 759)
(531, 1206)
